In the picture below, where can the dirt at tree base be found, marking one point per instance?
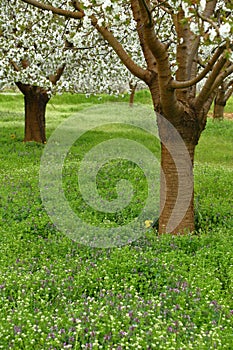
(228, 116)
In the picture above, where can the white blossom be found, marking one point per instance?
(202, 5)
(225, 30)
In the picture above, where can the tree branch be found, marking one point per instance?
(15, 66)
(226, 72)
(149, 13)
(209, 66)
(229, 92)
(169, 102)
(120, 51)
(54, 78)
(66, 13)
(214, 80)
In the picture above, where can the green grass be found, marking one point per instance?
(154, 293)
(229, 105)
(215, 144)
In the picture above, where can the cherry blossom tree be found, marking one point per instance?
(43, 53)
(172, 36)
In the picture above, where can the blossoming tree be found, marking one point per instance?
(172, 36)
(43, 53)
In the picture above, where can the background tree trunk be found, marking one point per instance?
(218, 110)
(36, 99)
(219, 104)
(133, 87)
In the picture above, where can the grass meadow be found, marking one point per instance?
(158, 292)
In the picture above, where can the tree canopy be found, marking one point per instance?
(42, 48)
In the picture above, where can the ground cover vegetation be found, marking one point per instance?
(159, 292)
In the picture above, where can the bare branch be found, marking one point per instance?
(206, 19)
(66, 13)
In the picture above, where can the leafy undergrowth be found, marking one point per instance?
(154, 293)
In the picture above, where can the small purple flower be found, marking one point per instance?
(130, 314)
(17, 329)
(170, 329)
(107, 337)
(51, 336)
(72, 329)
(123, 333)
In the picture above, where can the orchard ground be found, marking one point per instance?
(154, 293)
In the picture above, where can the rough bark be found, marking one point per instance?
(178, 142)
(177, 181)
(35, 101)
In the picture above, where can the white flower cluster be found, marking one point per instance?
(35, 43)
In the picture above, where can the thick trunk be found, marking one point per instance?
(176, 190)
(35, 99)
(178, 144)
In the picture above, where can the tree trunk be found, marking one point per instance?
(133, 88)
(218, 110)
(176, 192)
(177, 181)
(219, 104)
(35, 101)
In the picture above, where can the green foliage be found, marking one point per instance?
(155, 293)
(214, 176)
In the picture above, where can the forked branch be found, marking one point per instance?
(205, 71)
(55, 78)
